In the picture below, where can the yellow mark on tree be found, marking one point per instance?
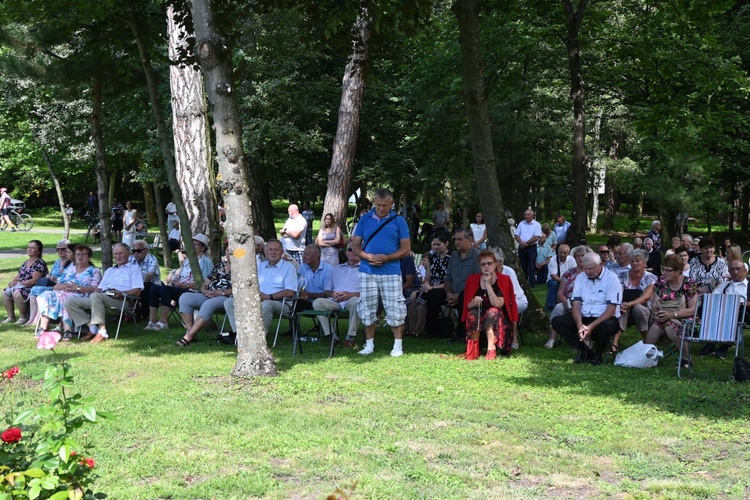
(239, 252)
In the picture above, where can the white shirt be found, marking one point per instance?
(478, 231)
(733, 287)
(122, 278)
(527, 230)
(521, 300)
(597, 294)
(569, 263)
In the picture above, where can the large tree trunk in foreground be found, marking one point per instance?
(573, 20)
(192, 149)
(164, 144)
(347, 131)
(102, 182)
(488, 187)
(253, 355)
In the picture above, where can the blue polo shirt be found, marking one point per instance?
(387, 241)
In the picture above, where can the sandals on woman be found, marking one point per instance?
(613, 348)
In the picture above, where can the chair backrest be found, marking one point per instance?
(720, 317)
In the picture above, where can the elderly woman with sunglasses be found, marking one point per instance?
(65, 253)
(490, 306)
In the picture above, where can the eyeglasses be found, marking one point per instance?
(139, 250)
(61, 249)
(486, 263)
(603, 251)
(666, 270)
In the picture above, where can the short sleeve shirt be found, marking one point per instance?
(387, 241)
(597, 294)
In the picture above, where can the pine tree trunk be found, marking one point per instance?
(193, 164)
(488, 187)
(253, 355)
(102, 182)
(580, 162)
(347, 131)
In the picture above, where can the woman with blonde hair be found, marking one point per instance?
(329, 240)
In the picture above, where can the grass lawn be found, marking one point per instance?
(423, 426)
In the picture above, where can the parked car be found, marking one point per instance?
(18, 205)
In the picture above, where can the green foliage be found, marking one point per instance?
(39, 453)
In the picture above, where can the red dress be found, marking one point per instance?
(499, 319)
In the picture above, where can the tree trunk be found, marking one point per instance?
(164, 144)
(488, 187)
(253, 355)
(192, 149)
(161, 222)
(600, 174)
(347, 131)
(573, 45)
(102, 182)
(58, 188)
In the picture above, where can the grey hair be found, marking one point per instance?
(145, 245)
(581, 249)
(499, 254)
(467, 232)
(638, 253)
(655, 223)
(687, 237)
(63, 242)
(592, 258)
(627, 248)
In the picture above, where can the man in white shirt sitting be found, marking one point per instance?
(736, 285)
(597, 294)
(345, 296)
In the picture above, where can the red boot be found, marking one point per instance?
(472, 349)
(491, 354)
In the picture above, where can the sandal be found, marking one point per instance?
(67, 337)
(184, 342)
(613, 348)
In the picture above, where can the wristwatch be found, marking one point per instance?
(78, 289)
(271, 297)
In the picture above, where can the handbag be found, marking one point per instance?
(44, 282)
(639, 355)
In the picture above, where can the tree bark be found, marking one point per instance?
(253, 355)
(102, 182)
(164, 144)
(193, 161)
(161, 222)
(347, 130)
(58, 188)
(480, 132)
(577, 93)
(600, 174)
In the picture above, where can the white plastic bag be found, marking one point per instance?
(639, 355)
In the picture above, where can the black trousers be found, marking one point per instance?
(565, 325)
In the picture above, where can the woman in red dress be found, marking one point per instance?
(489, 305)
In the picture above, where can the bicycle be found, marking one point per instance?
(23, 222)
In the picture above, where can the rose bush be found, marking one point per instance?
(38, 457)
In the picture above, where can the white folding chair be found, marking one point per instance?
(128, 309)
(718, 319)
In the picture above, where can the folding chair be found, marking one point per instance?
(719, 321)
(319, 315)
(128, 309)
(287, 312)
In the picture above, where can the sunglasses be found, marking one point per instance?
(61, 249)
(486, 263)
(139, 250)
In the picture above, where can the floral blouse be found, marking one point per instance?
(646, 280)
(91, 276)
(438, 268)
(570, 280)
(711, 275)
(220, 278)
(663, 291)
(26, 273)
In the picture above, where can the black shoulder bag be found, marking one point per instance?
(377, 230)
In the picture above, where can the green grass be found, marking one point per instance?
(421, 426)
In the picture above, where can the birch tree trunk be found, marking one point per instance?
(102, 183)
(600, 174)
(58, 188)
(347, 130)
(574, 19)
(253, 355)
(169, 166)
(192, 149)
(480, 131)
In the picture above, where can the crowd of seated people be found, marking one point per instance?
(638, 287)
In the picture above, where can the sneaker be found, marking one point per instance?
(514, 346)
(550, 344)
(395, 352)
(160, 326)
(151, 326)
(367, 350)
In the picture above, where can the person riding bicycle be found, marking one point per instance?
(5, 202)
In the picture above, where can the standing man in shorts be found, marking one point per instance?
(381, 240)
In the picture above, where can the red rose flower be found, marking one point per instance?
(88, 461)
(12, 435)
(11, 372)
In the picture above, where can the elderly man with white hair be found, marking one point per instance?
(597, 294)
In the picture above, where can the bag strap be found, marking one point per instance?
(377, 230)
